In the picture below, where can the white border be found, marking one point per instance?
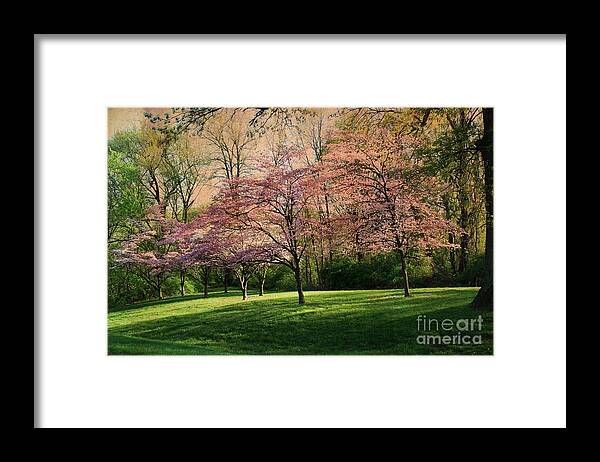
(522, 385)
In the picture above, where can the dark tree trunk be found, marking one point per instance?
(316, 262)
(464, 240)
(464, 251)
(451, 238)
(452, 254)
(244, 284)
(405, 285)
(182, 281)
(359, 254)
(298, 276)
(307, 272)
(225, 279)
(485, 296)
(318, 271)
(329, 242)
(159, 286)
(322, 256)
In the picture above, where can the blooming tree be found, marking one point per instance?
(200, 248)
(382, 200)
(275, 205)
(390, 203)
(247, 254)
(216, 239)
(151, 250)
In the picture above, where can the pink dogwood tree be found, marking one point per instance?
(275, 205)
(390, 203)
(215, 238)
(246, 254)
(151, 251)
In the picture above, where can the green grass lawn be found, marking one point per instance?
(349, 322)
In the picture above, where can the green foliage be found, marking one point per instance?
(381, 271)
(127, 142)
(473, 275)
(348, 273)
(125, 286)
(126, 197)
(279, 277)
(331, 322)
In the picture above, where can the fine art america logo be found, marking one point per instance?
(433, 331)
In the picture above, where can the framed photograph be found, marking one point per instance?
(300, 231)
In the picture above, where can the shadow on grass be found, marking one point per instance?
(233, 293)
(353, 322)
(174, 299)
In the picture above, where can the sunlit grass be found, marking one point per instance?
(330, 322)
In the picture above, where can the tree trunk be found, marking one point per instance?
(322, 256)
(405, 285)
(316, 262)
(159, 287)
(318, 270)
(182, 280)
(298, 275)
(244, 284)
(359, 254)
(464, 240)
(451, 238)
(263, 277)
(329, 242)
(485, 296)
(464, 250)
(452, 254)
(307, 272)
(225, 278)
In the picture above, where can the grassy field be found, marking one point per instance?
(353, 322)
